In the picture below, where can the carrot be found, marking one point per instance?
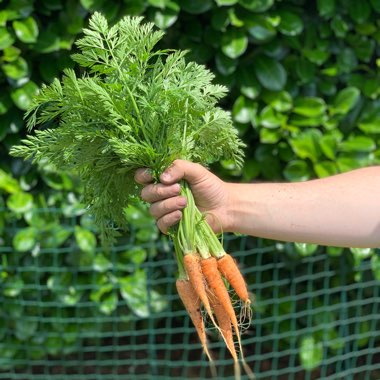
(193, 269)
(192, 304)
(216, 284)
(228, 268)
(224, 322)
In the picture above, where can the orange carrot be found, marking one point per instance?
(193, 269)
(228, 268)
(224, 322)
(192, 304)
(216, 284)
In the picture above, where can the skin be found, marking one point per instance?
(342, 210)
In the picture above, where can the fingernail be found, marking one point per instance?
(148, 172)
(165, 176)
(182, 202)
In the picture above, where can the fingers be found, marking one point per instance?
(159, 209)
(168, 212)
(169, 220)
(181, 169)
(155, 192)
(143, 176)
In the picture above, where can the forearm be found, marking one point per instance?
(342, 210)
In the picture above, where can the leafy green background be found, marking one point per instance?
(304, 93)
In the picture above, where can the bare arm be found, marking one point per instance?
(341, 210)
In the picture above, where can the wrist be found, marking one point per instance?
(231, 218)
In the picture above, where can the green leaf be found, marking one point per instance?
(85, 239)
(256, 5)
(26, 30)
(11, 54)
(280, 101)
(260, 28)
(70, 297)
(358, 144)
(25, 239)
(291, 23)
(305, 70)
(165, 18)
(225, 65)
(270, 73)
(25, 328)
(270, 118)
(195, 6)
(345, 100)
(305, 145)
(55, 235)
(270, 136)
(317, 56)
(8, 183)
(109, 303)
(347, 61)
(48, 41)
(297, 170)
(325, 169)
(24, 95)
(334, 251)
(134, 290)
(339, 26)
(17, 69)
(309, 107)
(13, 286)
(326, 8)
(375, 5)
(305, 249)
(222, 3)
(20, 202)
(244, 110)
(369, 120)
(234, 43)
(311, 352)
(5, 103)
(359, 12)
(328, 145)
(249, 86)
(92, 5)
(6, 39)
(220, 19)
(101, 263)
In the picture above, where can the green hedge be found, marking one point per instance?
(304, 93)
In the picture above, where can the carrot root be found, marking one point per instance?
(224, 322)
(228, 268)
(192, 264)
(192, 305)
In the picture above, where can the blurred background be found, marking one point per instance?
(304, 85)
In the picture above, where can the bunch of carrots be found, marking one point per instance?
(204, 267)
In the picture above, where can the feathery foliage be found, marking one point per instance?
(133, 107)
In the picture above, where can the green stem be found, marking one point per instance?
(214, 246)
(186, 227)
(182, 275)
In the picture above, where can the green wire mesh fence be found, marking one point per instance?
(69, 310)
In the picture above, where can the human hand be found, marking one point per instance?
(210, 193)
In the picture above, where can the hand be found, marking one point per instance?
(210, 193)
